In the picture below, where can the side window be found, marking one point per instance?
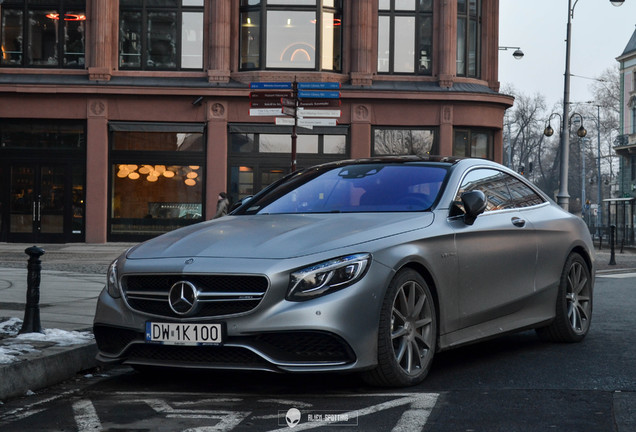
(521, 194)
(502, 190)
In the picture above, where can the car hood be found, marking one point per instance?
(278, 236)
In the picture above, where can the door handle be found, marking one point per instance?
(518, 222)
(34, 212)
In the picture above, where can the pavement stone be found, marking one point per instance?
(72, 277)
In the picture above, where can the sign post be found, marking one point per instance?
(301, 102)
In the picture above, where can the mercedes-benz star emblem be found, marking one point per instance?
(183, 297)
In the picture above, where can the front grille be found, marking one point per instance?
(195, 355)
(219, 295)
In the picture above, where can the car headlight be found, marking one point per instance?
(112, 282)
(326, 277)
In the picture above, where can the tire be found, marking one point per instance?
(574, 303)
(407, 336)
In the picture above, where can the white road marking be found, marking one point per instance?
(426, 400)
(616, 275)
(86, 417)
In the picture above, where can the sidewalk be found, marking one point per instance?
(72, 277)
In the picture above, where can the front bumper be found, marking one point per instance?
(336, 332)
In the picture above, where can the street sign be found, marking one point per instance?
(290, 111)
(265, 103)
(319, 94)
(317, 122)
(271, 94)
(318, 86)
(270, 85)
(265, 112)
(288, 102)
(319, 103)
(284, 121)
(302, 112)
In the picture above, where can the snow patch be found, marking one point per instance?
(14, 345)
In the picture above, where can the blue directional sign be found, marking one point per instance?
(270, 85)
(319, 86)
(319, 94)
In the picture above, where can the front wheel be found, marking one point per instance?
(407, 337)
(574, 303)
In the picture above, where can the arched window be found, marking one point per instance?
(291, 34)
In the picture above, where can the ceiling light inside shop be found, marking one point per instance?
(190, 182)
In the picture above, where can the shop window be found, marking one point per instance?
(43, 34)
(261, 154)
(405, 37)
(157, 178)
(298, 34)
(164, 35)
(389, 141)
(473, 143)
(468, 38)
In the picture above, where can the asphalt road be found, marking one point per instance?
(513, 383)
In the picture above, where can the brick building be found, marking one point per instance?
(123, 119)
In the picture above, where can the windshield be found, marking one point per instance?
(355, 188)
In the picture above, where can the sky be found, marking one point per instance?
(600, 33)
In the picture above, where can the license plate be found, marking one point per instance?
(184, 334)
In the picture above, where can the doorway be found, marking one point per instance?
(45, 203)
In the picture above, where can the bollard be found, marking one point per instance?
(600, 242)
(612, 254)
(31, 322)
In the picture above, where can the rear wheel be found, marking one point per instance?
(574, 303)
(407, 336)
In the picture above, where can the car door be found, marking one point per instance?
(497, 254)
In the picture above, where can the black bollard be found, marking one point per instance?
(612, 254)
(31, 322)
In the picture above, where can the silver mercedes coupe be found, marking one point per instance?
(367, 266)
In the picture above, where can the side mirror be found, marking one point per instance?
(239, 203)
(475, 203)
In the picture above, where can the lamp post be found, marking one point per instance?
(581, 132)
(563, 197)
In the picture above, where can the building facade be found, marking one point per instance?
(622, 210)
(123, 119)
(626, 147)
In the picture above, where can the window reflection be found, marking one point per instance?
(405, 36)
(171, 34)
(291, 37)
(419, 142)
(50, 35)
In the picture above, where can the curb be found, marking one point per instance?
(39, 371)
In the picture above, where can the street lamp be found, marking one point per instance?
(517, 54)
(563, 197)
(581, 132)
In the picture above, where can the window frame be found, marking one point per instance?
(419, 15)
(470, 132)
(434, 147)
(25, 9)
(261, 8)
(154, 157)
(470, 43)
(179, 10)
